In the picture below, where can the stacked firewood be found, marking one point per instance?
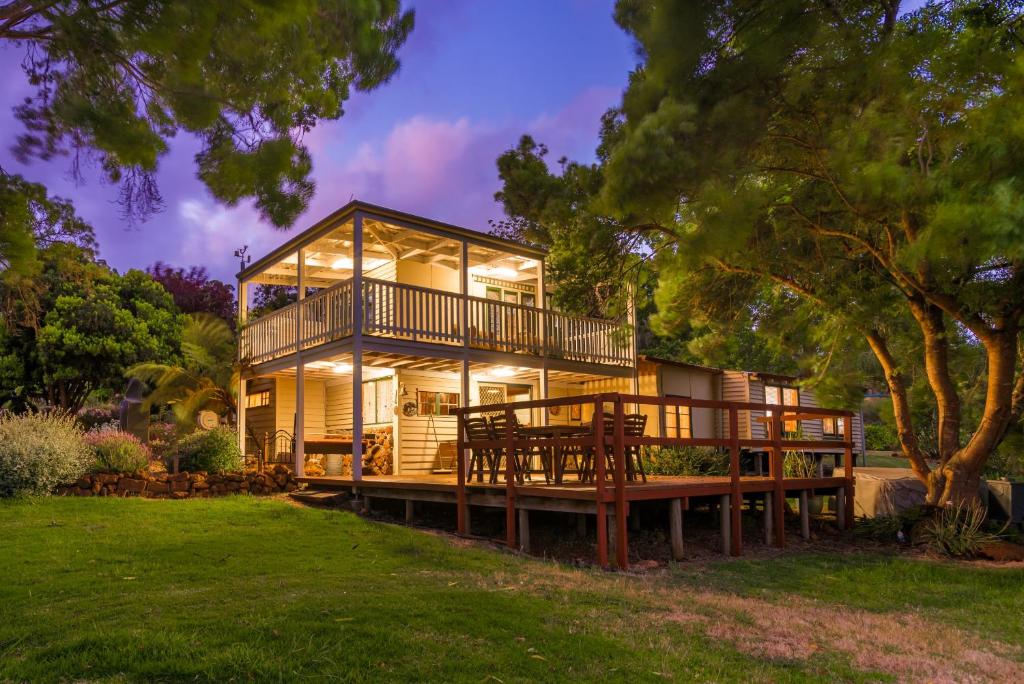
(377, 459)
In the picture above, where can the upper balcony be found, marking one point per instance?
(368, 271)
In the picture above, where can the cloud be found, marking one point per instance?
(209, 234)
(445, 168)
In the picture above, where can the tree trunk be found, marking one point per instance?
(936, 364)
(958, 477)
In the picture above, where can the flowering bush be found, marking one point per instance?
(116, 451)
(96, 416)
(215, 451)
(40, 451)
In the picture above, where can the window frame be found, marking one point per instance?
(782, 389)
(839, 429)
(437, 403)
(380, 416)
(675, 411)
(262, 404)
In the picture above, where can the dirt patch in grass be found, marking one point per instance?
(901, 644)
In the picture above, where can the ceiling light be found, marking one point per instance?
(504, 273)
(342, 367)
(344, 263)
(503, 372)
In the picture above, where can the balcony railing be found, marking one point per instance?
(420, 314)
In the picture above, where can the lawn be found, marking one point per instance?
(260, 589)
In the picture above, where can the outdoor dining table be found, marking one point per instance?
(557, 432)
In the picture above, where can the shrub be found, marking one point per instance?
(97, 416)
(880, 437)
(892, 528)
(215, 451)
(958, 531)
(39, 452)
(688, 461)
(798, 464)
(117, 452)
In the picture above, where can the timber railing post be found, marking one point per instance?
(510, 478)
(602, 520)
(460, 457)
(779, 490)
(619, 480)
(848, 470)
(736, 501)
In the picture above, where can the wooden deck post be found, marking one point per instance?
(524, 530)
(613, 541)
(602, 519)
(675, 525)
(736, 509)
(510, 479)
(779, 491)
(724, 521)
(841, 517)
(619, 479)
(805, 516)
(848, 493)
(410, 510)
(461, 505)
(767, 517)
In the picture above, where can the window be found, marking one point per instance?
(678, 422)
(257, 399)
(833, 427)
(437, 403)
(788, 396)
(378, 401)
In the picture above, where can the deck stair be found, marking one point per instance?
(320, 497)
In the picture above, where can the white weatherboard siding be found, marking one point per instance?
(338, 417)
(736, 388)
(421, 435)
(261, 420)
(314, 414)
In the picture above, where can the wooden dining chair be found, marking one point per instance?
(588, 467)
(523, 456)
(480, 458)
(634, 425)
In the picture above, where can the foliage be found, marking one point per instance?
(194, 291)
(86, 325)
(892, 528)
(798, 464)
(850, 186)
(958, 530)
(117, 452)
(93, 417)
(207, 377)
(687, 460)
(1008, 460)
(880, 437)
(267, 298)
(30, 219)
(248, 79)
(213, 451)
(40, 451)
(163, 439)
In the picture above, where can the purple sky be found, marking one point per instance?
(474, 77)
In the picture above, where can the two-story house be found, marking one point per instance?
(398, 321)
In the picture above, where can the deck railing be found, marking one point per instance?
(603, 433)
(410, 312)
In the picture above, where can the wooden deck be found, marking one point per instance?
(611, 488)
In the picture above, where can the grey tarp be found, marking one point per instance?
(885, 491)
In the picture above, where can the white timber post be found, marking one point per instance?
(464, 285)
(357, 346)
(243, 313)
(300, 375)
(543, 342)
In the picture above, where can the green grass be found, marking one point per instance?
(882, 460)
(258, 589)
